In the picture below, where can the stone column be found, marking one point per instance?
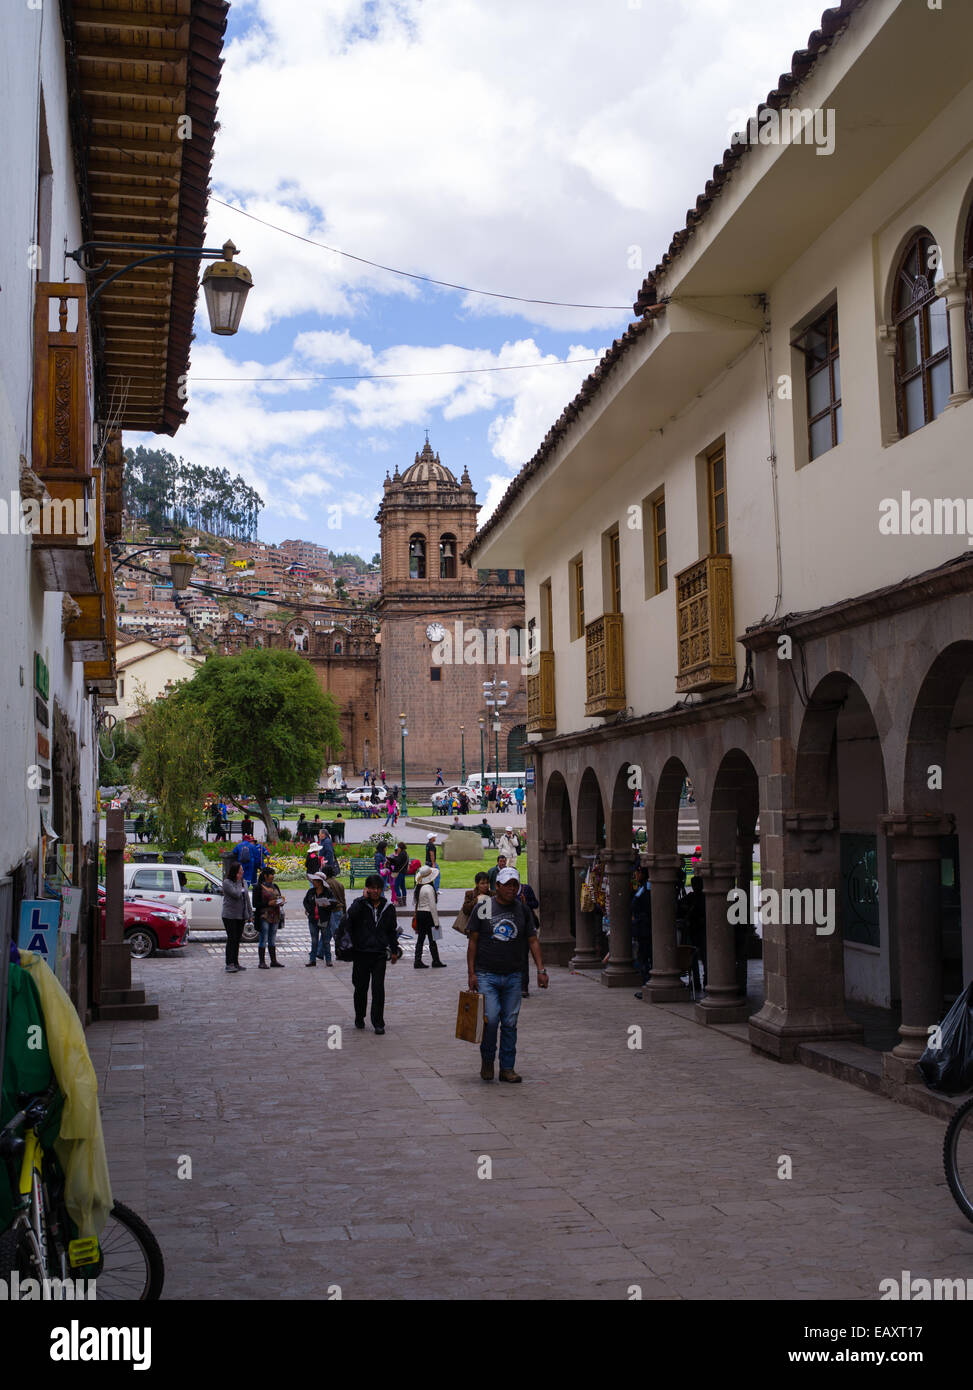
(722, 1001)
(554, 883)
(952, 288)
(116, 996)
(620, 969)
(665, 983)
(587, 953)
(916, 852)
(804, 973)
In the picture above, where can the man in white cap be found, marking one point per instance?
(494, 958)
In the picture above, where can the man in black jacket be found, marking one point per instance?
(371, 926)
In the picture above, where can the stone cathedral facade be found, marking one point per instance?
(432, 664)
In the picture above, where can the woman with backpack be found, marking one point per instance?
(427, 917)
(319, 904)
(267, 903)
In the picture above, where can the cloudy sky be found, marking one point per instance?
(545, 149)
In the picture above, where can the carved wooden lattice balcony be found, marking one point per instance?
(88, 633)
(63, 543)
(704, 615)
(541, 716)
(604, 665)
(99, 664)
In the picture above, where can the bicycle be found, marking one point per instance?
(125, 1263)
(958, 1157)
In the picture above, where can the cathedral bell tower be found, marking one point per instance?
(426, 520)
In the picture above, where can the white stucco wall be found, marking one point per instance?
(31, 62)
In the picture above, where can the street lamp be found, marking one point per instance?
(495, 695)
(181, 562)
(482, 722)
(462, 754)
(405, 804)
(225, 284)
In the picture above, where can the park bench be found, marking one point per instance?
(362, 867)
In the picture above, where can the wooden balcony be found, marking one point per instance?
(89, 635)
(704, 617)
(604, 665)
(63, 538)
(541, 716)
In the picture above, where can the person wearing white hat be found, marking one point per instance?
(319, 903)
(509, 845)
(494, 958)
(427, 917)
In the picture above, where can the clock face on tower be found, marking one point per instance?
(435, 632)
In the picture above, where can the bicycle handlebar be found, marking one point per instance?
(34, 1112)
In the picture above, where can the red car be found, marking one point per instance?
(148, 927)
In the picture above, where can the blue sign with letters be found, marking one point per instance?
(39, 920)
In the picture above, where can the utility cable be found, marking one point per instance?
(411, 275)
(388, 376)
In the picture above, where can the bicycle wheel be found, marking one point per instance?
(19, 1252)
(958, 1158)
(132, 1267)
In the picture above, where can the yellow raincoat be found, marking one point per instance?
(80, 1146)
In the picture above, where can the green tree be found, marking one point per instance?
(120, 749)
(175, 767)
(272, 724)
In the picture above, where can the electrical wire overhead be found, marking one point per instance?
(411, 275)
(393, 376)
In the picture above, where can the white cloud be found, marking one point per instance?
(514, 148)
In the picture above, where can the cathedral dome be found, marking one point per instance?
(427, 469)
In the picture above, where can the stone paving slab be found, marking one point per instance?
(358, 1166)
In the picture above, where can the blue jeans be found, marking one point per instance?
(320, 939)
(268, 934)
(501, 1007)
(400, 885)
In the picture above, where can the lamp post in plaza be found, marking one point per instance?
(405, 804)
(495, 695)
(482, 765)
(462, 754)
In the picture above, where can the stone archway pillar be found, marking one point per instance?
(555, 882)
(620, 969)
(916, 852)
(804, 973)
(587, 954)
(722, 1001)
(665, 982)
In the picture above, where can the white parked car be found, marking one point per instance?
(354, 795)
(188, 887)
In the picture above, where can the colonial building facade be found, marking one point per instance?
(747, 552)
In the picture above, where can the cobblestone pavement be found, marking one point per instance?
(611, 1166)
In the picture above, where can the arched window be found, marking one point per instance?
(923, 378)
(417, 556)
(447, 555)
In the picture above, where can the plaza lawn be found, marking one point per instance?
(457, 874)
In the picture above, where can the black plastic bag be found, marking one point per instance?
(949, 1068)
